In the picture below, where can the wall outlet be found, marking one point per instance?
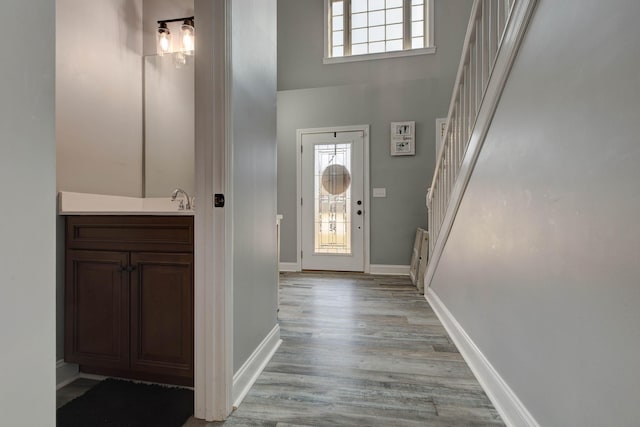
(379, 192)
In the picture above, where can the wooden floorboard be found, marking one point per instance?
(361, 350)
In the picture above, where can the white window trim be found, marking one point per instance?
(429, 49)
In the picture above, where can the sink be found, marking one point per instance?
(70, 203)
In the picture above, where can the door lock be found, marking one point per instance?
(218, 201)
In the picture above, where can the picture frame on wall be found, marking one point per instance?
(403, 138)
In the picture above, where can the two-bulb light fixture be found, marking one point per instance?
(187, 40)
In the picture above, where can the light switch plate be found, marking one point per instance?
(379, 192)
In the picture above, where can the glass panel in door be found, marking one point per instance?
(332, 199)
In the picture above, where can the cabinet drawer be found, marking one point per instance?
(130, 233)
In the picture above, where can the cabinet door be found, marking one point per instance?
(97, 309)
(162, 313)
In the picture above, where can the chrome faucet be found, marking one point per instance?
(182, 206)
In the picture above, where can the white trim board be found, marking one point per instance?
(367, 202)
(249, 372)
(213, 252)
(429, 50)
(289, 266)
(401, 270)
(511, 409)
(66, 373)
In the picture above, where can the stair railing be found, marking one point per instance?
(495, 30)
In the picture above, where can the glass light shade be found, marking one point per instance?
(163, 38)
(188, 37)
(179, 60)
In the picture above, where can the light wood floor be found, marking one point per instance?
(361, 350)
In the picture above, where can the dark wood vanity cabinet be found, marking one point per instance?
(129, 296)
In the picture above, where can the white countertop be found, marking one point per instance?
(98, 204)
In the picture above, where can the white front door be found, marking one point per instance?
(332, 174)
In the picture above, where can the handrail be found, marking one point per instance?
(483, 40)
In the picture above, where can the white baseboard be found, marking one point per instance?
(251, 369)
(97, 377)
(402, 270)
(66, 373)
(511, 409)
(289, 266)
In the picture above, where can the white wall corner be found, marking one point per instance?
(249, 372)
(289, 266)
(401, 270)
(511, 409)
(66, 373)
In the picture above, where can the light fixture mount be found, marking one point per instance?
(165, 21)
(187, 32)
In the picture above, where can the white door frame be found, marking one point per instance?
(367, 206)
(213, 252)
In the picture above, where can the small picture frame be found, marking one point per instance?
(403, 138)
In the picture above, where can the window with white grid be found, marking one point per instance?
(372, 29)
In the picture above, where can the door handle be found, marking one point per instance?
(131, 268)
(359, 212)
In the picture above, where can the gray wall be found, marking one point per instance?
(542, 266)
(253, 100)
(378, 92)
(27, 229)
(169, 126)
(99, 45)
(99, 96)
(169, 105)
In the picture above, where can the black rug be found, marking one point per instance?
(116, 403)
